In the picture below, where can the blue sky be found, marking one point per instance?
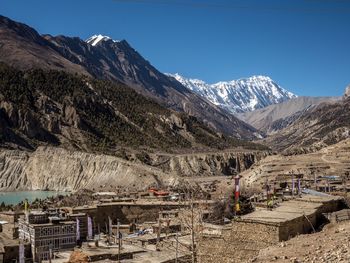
(304, 45)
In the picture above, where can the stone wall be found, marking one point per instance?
(12, 252)
(243, 239)
(126, 213)
(297, 226)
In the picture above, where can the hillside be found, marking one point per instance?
(324, 124)
(56, 108)
(328, 161)
(22, 47)
(275, 117)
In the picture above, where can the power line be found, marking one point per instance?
(208, 5)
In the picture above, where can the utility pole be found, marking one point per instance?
(118, 224)
(50, 253)
(267, 193)
(177, 248)
(21, 252)
(192, 233)
(158, 230)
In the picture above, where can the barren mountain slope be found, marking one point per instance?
(268, 118)
(323, 125)
(21, 46)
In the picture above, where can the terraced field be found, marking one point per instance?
(332, 160)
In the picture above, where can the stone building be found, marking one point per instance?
(242, 240)
(47, 233)
(9, 223)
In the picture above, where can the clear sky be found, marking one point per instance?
(304, 45)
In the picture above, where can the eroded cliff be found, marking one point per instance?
(207, 164)
(52, 168)
(58, 169)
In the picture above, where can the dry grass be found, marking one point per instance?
(78, 257)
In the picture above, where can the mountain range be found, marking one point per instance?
(53, 107)
(103, 58)
(101, 95)
(237, 96)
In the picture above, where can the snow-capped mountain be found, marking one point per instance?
(246, 94)
(95, 39)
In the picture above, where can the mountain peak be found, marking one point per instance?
(245, 94)
(347, 91)
(95, 39)
(180, 78)
(260, 77)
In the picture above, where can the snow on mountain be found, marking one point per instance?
(242, 95)
(95, 39)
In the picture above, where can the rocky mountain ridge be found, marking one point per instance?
(56, 108)
(237, 96)
(322, 125)
(22, 47)
(275, 117)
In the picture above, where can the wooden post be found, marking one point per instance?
(267, 193)
(315, 181)
(167, 228)
(158, 230)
